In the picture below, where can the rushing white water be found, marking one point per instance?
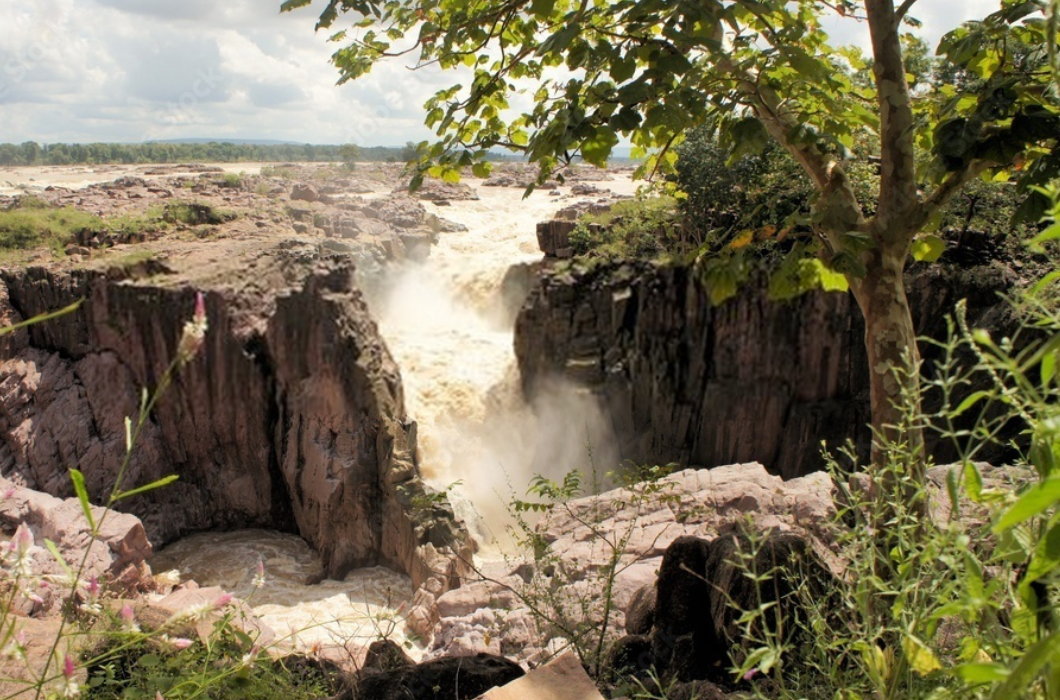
(458, 366)
(296, 601)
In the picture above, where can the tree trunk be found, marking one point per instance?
(898, 441)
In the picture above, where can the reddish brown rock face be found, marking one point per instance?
(751, 379)
(291, 417)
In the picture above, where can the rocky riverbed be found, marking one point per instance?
(360, 378)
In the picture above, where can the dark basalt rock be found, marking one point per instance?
(386, 655)
(640, 613)
(450, 678)
(703, 589)
(750, 380)
(684, 638)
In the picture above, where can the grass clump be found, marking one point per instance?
(229, 664)
(195, 214)
(32, 223)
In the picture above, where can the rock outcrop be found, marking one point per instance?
(453, 678)
(291, 417)
(492, 611)
(117, 553)
(752, 379)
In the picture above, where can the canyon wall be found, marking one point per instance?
(291, 417)
(749, 380)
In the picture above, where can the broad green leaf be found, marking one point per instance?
(973, 482)
(149, 660)
(1033, 502)
(289, 5)
(597, 149)
(921, 659)
(82, 495)
(164, 481)
(1052, 233)
(980, 673)
(831, 281)
(721, 285)
(928, 248)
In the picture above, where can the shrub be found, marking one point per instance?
(646, 226)
(961, 608)
(232, 181)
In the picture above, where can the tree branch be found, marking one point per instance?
(951, 185)
(899, 15)
(898, 191)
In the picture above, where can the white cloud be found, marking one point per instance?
(129, 70)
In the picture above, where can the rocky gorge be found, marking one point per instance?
(296, 415)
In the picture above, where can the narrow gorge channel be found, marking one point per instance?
(449, 323)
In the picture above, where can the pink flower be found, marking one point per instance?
(7, 494)
(70, 689)
(128, 618)
(22, 540)
(194, 333)
(93, 587)
(222, 601)
(158, 695)
(175, 643)
(750, 674)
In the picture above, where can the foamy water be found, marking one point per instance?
(458, 365)
(302, 607)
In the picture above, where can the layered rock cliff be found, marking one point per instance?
(291, 417)
(749, 380)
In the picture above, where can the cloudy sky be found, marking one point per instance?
(136, 70)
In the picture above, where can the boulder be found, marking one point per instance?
(450, 678)
(121, 543)
(553, 238)
(304, 192)
(704, 587)
(386, 655)
(640, 614)
(683, 637)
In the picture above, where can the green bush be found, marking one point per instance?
(646, 226)
(232, 181)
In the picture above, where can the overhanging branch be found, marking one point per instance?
(900, 14)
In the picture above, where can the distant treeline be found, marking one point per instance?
(32, 153)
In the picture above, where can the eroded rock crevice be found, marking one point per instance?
(290, 418)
